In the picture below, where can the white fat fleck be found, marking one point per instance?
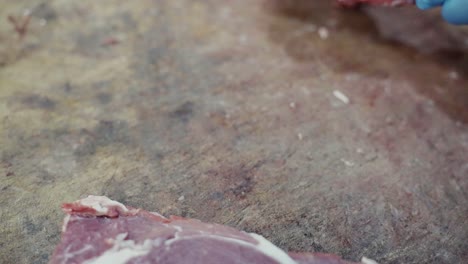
(120, 238)
(341, 96)
(365, 260)
(65, 223)
(101, 204)
(300, 136)
(172, 240)
(264, 246)
(69, 255)
(157, 214)
(347, 162)
(123, 251)
(323, 32)
(178, 228)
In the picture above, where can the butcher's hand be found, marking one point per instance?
(454, 11)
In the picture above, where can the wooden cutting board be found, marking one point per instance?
(293, 121)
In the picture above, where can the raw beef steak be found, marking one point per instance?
(99, 230)
(376, 2)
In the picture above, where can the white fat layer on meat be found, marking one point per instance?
(267, 248)
(102, 204)
(123, 251)
(65, 223)
(69, 255)
(156, 214)
(176, 227)
(365, 260)
(264, 246)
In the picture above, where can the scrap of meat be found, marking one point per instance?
(99, 230)
(376, 2)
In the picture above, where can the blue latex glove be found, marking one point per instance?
(454, 11)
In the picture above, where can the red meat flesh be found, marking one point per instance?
(99, 230)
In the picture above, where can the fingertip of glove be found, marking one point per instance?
(428, 4)
(455, 20)
(424, 4)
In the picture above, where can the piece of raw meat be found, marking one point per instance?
(99, 230)
(376, 2)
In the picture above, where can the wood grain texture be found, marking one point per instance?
(225, 111)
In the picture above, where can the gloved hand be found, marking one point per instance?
(454, 11)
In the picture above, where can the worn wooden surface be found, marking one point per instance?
(224, 111)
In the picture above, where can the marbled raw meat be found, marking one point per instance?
(98, 230)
